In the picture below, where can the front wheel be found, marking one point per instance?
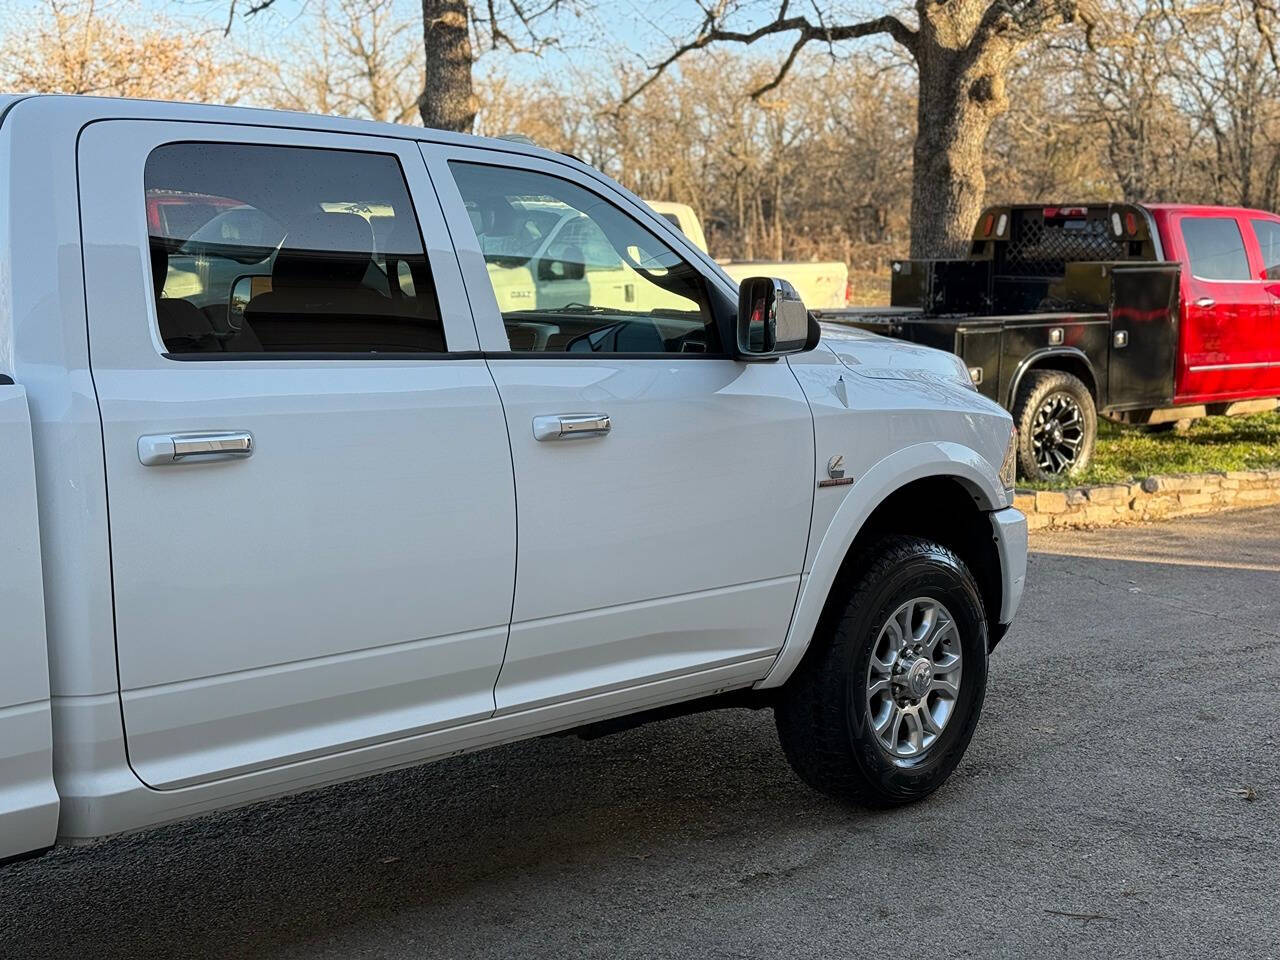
(882, 708)
(1057, 425)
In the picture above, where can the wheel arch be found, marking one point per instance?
(945, 497)
(1070, 360)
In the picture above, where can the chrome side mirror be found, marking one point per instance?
(772, 319)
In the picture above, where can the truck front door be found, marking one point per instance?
(1227, 335)
(664, 489)
(309, 481)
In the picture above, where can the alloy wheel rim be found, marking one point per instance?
(913, 679)
(1057, 433)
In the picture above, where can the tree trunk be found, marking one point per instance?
(740, 198)
(1271, 182)
(777, 217)
(961, 94)
(448, 101)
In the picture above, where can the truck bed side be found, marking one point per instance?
(1078, 289)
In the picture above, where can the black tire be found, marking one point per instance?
(1046, 398)
(823, 714)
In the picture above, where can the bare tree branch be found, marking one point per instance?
(1022, 20)
(525, 21)
(784, 69)
(713, 31)
(256, 6)
(1266, 14)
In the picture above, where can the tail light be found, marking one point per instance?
(988, 222)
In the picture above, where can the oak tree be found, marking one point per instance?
(453, 31)
(963, 51)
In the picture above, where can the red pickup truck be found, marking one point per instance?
(1230, 301)
(1146, 314)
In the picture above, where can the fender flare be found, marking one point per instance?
(1030, 361)
(917, 462)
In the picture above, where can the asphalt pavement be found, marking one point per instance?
(1121, 798)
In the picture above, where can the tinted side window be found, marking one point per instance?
(1268, 234)
(1216, 248)
(287, 250)
(574, 274)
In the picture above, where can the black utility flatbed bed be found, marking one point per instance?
(872, 317)
(1059, 314)
(1053, 288)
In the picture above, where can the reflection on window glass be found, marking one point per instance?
(572, 273)
(1215, 248)
(286, 249)
(1268, 234)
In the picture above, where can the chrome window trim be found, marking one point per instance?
(1261, 364)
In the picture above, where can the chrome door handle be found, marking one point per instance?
(158, 448)
(1206, 302)
(568, 426)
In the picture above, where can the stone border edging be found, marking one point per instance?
(1155, 498)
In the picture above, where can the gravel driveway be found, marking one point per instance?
(1121, 798)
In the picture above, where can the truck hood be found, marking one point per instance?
(871, 355)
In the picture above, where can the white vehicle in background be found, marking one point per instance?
(822, 285)
(545, 255)
(293, 492)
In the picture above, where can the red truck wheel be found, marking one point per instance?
(1057, 425)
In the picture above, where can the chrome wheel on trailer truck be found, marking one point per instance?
(1057, 425)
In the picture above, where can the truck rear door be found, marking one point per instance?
(309, 481)
(28, 800)
(1227, 338)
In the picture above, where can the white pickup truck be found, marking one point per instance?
(290, 498)
(822, 284)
